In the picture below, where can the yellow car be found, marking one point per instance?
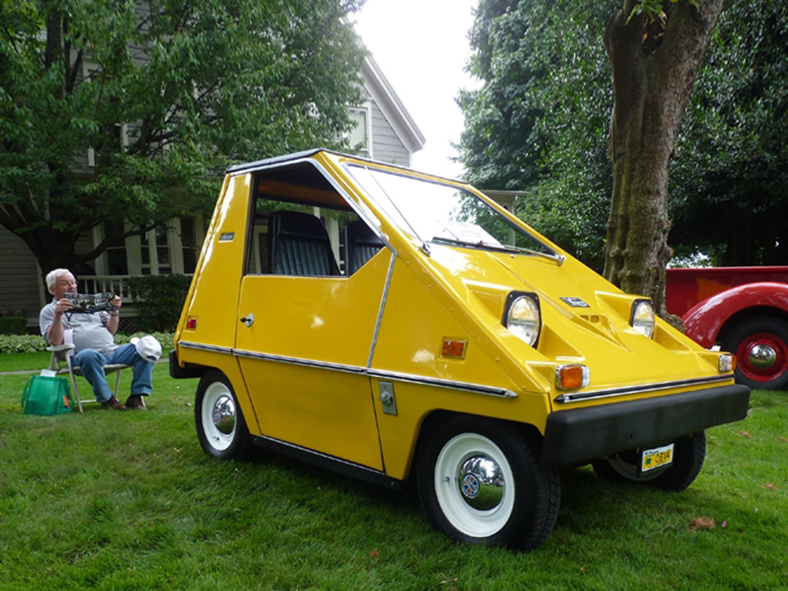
(395, 325)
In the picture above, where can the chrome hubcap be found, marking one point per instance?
(223, 415)
(481, 482)
(762, 357)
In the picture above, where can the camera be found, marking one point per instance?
(90, 303)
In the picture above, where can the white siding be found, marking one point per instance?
(386, 144)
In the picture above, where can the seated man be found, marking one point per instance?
(94, 343)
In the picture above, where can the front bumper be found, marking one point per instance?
(578, 436)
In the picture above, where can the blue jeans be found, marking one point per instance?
(92, 363)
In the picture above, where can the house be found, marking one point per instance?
(384, 129)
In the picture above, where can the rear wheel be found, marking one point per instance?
(221, 427)
(480, 482)
(761, 349)
(688, 456)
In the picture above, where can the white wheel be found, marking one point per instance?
(221, 428)
(474, 485)
(480, 482)
(218, 416)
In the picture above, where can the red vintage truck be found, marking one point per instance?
(744, 310)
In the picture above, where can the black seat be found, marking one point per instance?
(298, 245)
(361, 244)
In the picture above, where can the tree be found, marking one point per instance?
(539, 123)
(124, 109)
(728, 191)
(655, 49)
(729, 185)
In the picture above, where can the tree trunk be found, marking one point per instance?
(654, 65)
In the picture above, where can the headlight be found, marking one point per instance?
(643, 317)
(523, 318)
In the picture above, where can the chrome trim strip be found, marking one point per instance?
(383, 299)
(616, 392)
(462, 386)
(298, 361)
(201, 347)
(365, 371)
(318, 454)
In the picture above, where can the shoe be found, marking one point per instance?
(135, 402)
(112, 404)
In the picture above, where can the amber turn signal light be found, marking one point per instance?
(572, 377)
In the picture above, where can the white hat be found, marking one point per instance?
(147, 347)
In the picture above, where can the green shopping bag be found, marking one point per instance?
(45, 395)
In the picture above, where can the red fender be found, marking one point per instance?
(704, 321)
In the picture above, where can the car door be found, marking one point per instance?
(303, 344)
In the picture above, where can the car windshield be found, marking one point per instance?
(444, 214)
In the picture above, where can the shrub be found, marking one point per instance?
(27, 343)
(13, 325)
(31, 343)
(159, 300)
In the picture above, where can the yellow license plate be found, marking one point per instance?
(657, 457)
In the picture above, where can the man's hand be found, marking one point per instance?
(62, 306)
(112, 323)
(55, 334)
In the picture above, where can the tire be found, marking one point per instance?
(761, 348)
(688, 456)
(221, 427)
(480, 482)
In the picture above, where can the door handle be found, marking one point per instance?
(248, 320)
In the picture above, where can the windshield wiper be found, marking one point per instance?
(553, 256)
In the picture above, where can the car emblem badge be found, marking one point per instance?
(470, 486)
(575, 302)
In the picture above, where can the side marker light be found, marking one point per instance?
(727, 362)
(454, 348)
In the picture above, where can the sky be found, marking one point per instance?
(422, 48)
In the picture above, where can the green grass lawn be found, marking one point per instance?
(109, 500)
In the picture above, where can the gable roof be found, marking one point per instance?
(391, 106)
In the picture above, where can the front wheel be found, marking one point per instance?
(689, 454)
(761, 349)
(221, 427)
(480, 482)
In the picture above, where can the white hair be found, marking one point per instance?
(52, 278)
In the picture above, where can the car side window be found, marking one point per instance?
(301, 226)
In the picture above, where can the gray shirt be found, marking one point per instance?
(89, 330)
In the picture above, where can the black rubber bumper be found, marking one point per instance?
(179, 373)
(578, 436)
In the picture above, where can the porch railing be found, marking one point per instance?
(107, 284)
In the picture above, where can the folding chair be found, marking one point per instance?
(60, 363)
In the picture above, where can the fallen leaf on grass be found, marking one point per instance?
(783, 438)
(374, 554)
(447, 581)
(770, 486)
(702, 523)
(746, 434)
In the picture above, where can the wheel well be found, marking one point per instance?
(436, 418)
(748, 314)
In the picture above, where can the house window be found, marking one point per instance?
(359, 135)
(117, 264)
(168, 248)
(155, 251)
(189, 243)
